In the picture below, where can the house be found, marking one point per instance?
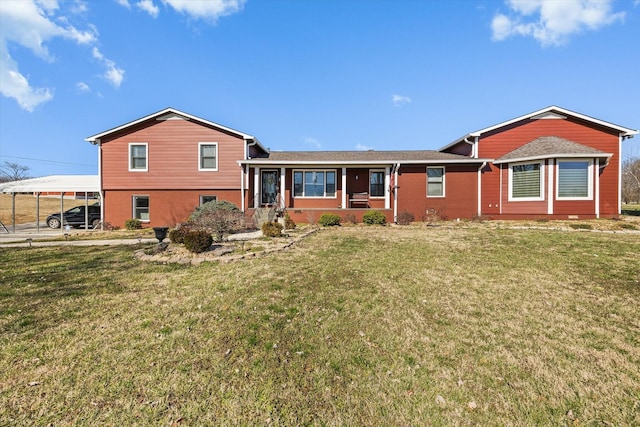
(551, 163)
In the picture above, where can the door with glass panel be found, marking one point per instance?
(269, 187)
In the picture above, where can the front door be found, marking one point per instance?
(269, 191)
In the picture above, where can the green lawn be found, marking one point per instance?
(352, 326)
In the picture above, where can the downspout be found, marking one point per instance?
(100, 190)
(246, 149)
(480, 189)
(473, 146)
(396, 167)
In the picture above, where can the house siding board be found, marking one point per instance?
(172, 157)
(497, 143)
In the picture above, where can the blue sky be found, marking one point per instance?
(307, 74)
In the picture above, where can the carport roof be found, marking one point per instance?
(53, 183)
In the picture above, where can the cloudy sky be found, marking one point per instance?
(307, 74)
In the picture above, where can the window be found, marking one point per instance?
(138, 157)
(526, 181)
(207, 156)
(316, 183)
(376, 184)
(435, 181)
(207, 199)
(141, 208)
(573, 179)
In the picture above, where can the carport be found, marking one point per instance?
(53, 184)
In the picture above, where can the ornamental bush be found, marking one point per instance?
(374, 218)
(272, 229)
(329, 219)
(177, 234)
(289, 224)
(197, 241)
(406, 218)
(133, 224)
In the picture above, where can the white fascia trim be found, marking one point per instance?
(164, 112)
(554, 156)
(362, 165)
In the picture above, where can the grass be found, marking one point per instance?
(25, 205)
(631, 209)
(352, 326)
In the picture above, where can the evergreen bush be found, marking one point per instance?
(272, 229)
(197, 241)
(374, 218)
(329, 219)
(133, 224)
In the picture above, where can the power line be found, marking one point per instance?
(47, 161)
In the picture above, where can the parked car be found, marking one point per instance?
(75, 217)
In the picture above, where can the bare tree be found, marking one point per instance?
(13, 172)
(631, 180)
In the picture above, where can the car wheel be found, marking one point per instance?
(95, 223)
(53, 223)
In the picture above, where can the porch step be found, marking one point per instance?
(262, 215)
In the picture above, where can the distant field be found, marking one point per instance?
(26, 207)
(631, 209)
(438, 326)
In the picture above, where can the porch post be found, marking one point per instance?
(344, 188)
(283, 180)
(550, 187)
(256, 187)
(597, 187)
(387, 194)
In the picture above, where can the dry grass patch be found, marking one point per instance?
(352, 326)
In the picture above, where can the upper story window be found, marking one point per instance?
(526, 181)
(138, 157)
(314, 183)
(435, 181)
(376, 183)
(207, 156)
(573, 180)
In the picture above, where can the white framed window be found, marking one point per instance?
(575, 179)
(314, 183)
(435, 181)
(141, 208)
(138, 157)
(526, 181)
(376, 183)
(207, 198)
(207, 156)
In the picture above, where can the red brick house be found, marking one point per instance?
(550, 163)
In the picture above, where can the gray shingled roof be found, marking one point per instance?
(550, 146)
(362, 157)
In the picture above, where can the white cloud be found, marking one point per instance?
(149, 7)
(113, 74)
(31, 24)
(362, 147)
(208, 10)
(82, 87)
(553, 22)
(313, 142)
(400, 100)
(124, 3)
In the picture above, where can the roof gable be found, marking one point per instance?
(552, 112)
(171, 114)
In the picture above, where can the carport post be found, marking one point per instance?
(38, 212)
(62, 211)
(86, 211)
(13, 211)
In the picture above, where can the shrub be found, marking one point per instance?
(329, 219)
(272, 229)
(212, 206)
(374, 218)
(220, 217)
(406, 218)
(289, 224)
(197, 241)
(133, 224)
(177, 234)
